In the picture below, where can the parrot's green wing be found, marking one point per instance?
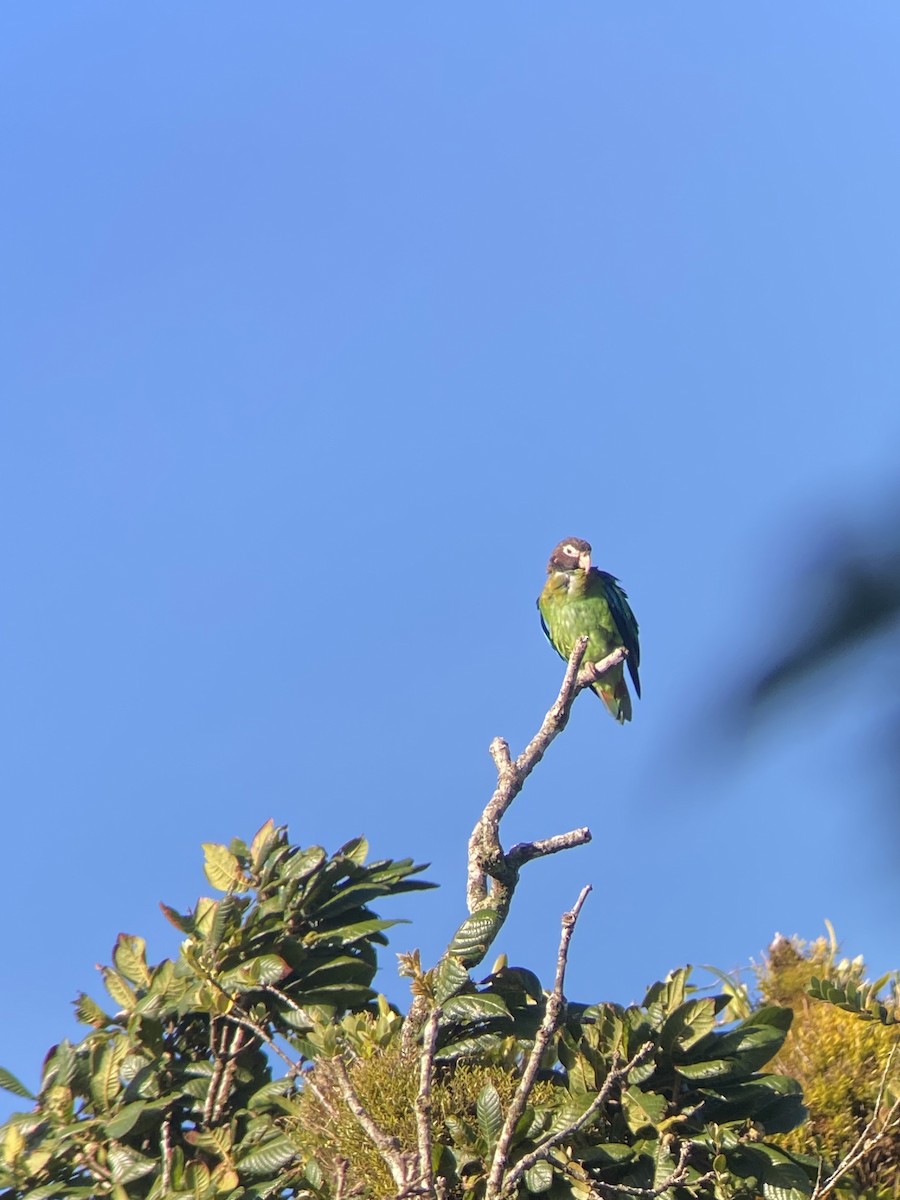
(624, 619)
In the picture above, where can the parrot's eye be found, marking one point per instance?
(571, 551)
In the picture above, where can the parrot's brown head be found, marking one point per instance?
(569, 555)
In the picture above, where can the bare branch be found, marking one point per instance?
(423, 1101)
(524, 852)
(487, 860)
(165, 1151)
(594, 672)
(218, 1066)
(549, 1025)
(340, 1180)
(227, 1078)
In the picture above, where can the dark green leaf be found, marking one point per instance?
(713, 1068)
(183, 923)
(471, 941)
(126, 1164)
(642, 1108)
(688, 1023)
(356, 850)
(10, 1083)
(126, 1119)
(450, 977)
(607, 1152)
(130, 957)
(89, 1012)
(539, 1177)
(268, 1158)
(490, 1114)
(472, 1005)
(348, 934)
(301, 864)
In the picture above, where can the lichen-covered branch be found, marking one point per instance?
(550, 1023)
(493, 873)
(386, 1144)
(424, 1122)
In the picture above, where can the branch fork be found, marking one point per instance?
(493, 873)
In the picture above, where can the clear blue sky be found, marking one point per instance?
(323, 324)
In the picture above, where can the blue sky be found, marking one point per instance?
(322, 326)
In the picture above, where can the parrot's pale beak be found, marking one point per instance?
(584, 560)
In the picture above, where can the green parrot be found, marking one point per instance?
(578, 599)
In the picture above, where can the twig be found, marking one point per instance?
(524, 852)
(340, 1181)
(870, 1137)
(423, 1100)
(227, 1077)
(286, 1000)
(617, 1075)
(165, 1151)
(593, 672)
(386, 1144)
(549, 1025)
(294, 1067)
(677, 1177)
(309, 1082)
(218, 1067)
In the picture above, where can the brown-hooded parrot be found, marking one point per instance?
(578, 599)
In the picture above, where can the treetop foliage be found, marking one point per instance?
(219, 1073)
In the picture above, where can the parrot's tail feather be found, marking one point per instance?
(617, 699)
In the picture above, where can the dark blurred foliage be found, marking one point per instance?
(865, 604)
(845, 605)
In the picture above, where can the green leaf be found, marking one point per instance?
(471, 941)
(126, 1164)
(450, 977)
(642, 1108)
(465, 1047)
(489, 1111)
(60, 1065)
(539, 1178)
(89, 1012)
(123, 994)
(9, 1083)
(262, 843)
(690, 1022)
(356, 850)
(226, 920)
(473, 1005)
(181, 922)
(772, 1015)
(222, 869)
(713, 1068)
(268, 1158)
(269, 1095)
(130, 957)
(268, 968)
(352, 895)
(608, 1152)
(348, 934)
(302, 863)
(126, 1119)
(105, 1080)
(196, 1176)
